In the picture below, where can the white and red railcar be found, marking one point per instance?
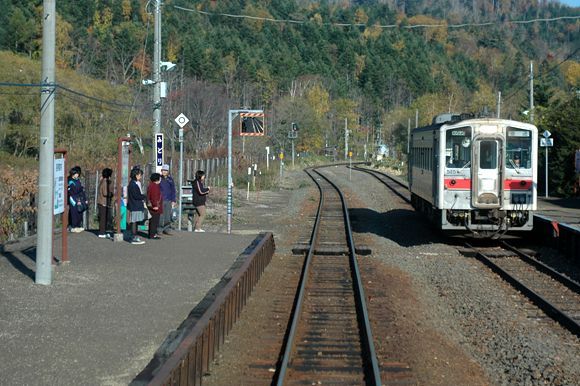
(475, 174)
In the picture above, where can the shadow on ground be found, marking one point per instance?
(405, 227)
(22, 260)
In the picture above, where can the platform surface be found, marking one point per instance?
(107, 310)
(562, 210)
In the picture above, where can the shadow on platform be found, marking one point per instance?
(19, 260)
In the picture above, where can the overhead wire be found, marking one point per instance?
(540, 75)
(384, 26)
(66, 89)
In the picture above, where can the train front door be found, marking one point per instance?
(486, 187)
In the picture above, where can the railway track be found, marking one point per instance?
(394, 184)
(556, 295)
(329, 340)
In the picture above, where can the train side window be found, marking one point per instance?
(458, 147)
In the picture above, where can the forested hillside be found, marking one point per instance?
(369, 64)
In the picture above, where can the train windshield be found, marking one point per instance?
(518, 149)
(488, 155)
(458, 148)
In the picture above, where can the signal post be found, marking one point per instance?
(251, 125)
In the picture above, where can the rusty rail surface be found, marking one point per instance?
(329, 339)
(192, 357)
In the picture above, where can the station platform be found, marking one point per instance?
(562, 210)
(108, 309)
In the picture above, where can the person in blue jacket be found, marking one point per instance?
(77, 200)
(135, 205)
(167, 186)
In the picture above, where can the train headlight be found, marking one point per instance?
(523, 183)
(453, 182)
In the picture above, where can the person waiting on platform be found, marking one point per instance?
(154, 204)
(77, 200)
(135, 205)
(169, 199)
(105, 202)
(200, 192)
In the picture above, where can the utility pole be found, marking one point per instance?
(345, 138)
(156, 76)
(416, 118)
(408, 135)
(531, 92)
(499, 104)
(46, 147)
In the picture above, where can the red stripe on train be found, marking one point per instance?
(457, 183)
(517, 184)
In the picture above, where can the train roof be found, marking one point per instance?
(468, 119)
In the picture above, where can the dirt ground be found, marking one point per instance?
(411, 348)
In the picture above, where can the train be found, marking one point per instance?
(475, 175)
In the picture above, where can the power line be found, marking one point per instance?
(77, 93)
(103, 101)
(11, 84)
(383, 26)
(90, 104)
(540, 75)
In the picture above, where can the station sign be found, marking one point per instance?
(59, 192)
(158, 151)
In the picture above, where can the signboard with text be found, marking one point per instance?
(59, 193)
(159, 151)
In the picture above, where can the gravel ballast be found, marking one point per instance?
(463, 299)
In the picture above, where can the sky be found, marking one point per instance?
(573, 3)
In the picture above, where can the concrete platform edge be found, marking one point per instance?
(199, 336)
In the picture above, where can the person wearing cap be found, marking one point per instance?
(167, 186)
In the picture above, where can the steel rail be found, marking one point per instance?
(367, 339)
(553, 311)
(297, 309)
(375, 174)
(571, 284)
